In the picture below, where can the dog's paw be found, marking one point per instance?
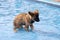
(15, 30)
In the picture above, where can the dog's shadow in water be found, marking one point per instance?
(41, 33)
(49, 34)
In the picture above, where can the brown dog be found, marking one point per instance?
(26, 19)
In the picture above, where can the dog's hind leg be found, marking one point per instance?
(16, 26)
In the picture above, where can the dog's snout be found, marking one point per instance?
(37, 20)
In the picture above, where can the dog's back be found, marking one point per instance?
(20, 18)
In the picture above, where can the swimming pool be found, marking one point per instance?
(47, 29)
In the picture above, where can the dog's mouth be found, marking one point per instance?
(37, 20)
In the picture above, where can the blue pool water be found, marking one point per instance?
(47, 29)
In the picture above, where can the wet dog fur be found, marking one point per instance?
(26, 19)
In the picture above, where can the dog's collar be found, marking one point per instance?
(31, 21)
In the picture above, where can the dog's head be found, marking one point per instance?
(34, 15)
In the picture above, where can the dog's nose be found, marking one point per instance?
(37, 20)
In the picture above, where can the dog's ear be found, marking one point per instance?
(31, 13)
(36, 12)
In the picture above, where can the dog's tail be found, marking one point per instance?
(14, 23)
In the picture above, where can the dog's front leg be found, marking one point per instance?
(26, 28)
(32, 27)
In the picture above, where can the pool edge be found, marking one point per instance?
(51, 3)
